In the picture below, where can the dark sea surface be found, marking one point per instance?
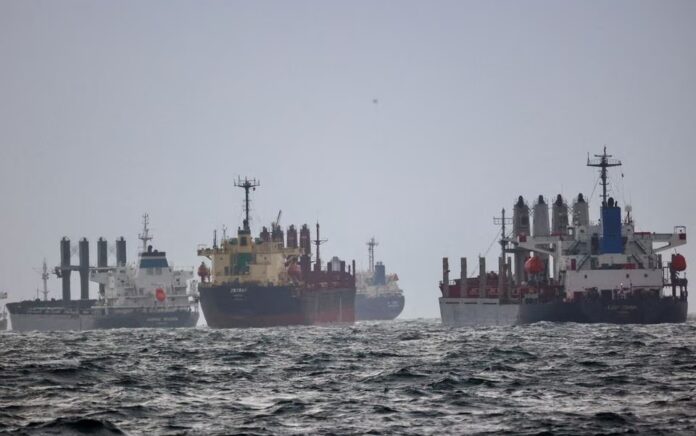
(403, 377)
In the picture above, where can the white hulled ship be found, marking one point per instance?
(150, 293)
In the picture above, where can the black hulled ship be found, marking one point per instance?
(267, 281)
(604, 272)
(378, 294)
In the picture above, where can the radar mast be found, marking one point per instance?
(318, 242)
(247, 185)
(603, 162)
(371, 244)
(145, 235)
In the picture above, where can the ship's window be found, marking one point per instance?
(645, 275)
(227, 270)
(626, 275)
(242, 241)
(585, 275)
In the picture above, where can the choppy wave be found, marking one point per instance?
(406, 377)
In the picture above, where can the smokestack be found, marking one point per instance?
(121, 252)
(101, 260)
(305, 240)
(277, 235)
(292, 237)
(541, 218)
(581, 212)
(84, 268)
(559, 216)
(520, 226)
(65, 267)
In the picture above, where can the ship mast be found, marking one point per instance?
(318, 242)
(603, 162)
(371, 244)
(44, 279)
(145, 235)
(247, 184)
(502, 220)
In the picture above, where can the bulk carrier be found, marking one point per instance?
(378, 294)
(148, 294)
(266, 281)
(603, 272)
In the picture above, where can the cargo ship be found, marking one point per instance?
(573, 271)
(150, 293)
(492, 297)
(605, 272)
(378, 295)
(268, 281)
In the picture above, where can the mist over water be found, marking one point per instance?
(408, 377)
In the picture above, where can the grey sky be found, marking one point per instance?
(111, 109)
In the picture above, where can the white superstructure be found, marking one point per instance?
(150, 283)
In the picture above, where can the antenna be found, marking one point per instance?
(246, 184)
(318, 242)
(371, 244)
(44, 277)
(501, 221)
(145, 235)
(603, 162)
(224, 232)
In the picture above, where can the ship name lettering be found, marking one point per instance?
(622, 307)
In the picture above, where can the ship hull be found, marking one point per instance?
(381, 307)
(147, 319)
(82, 315)
(638, 311)
(459, 312)
(237, 306)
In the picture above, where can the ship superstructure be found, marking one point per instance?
(573, 270)
(378, 294)
(148, 294)
(265, 281)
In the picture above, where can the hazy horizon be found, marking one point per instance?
(413, 122)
